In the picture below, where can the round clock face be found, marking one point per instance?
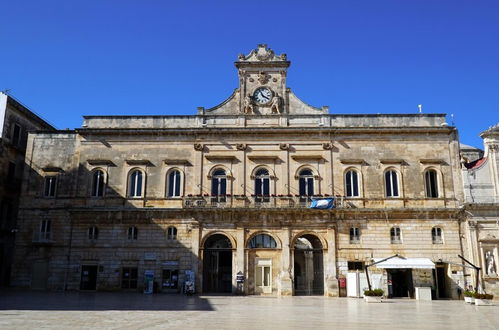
(262, 95)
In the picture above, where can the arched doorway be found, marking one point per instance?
(217, 264)
(308, 266)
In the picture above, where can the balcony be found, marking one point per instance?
(254, 202)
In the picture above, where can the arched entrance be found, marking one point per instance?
(217, 264)
(308, 266)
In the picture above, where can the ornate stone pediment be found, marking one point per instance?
(262, 54)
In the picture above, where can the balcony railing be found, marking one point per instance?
(258, 202)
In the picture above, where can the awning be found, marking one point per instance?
(397, 262)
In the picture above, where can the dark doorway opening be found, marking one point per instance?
(308, 266)
(217, 264)
(439, 277)
(400, 283)
(88, 277)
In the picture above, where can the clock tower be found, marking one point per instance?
(262, 82)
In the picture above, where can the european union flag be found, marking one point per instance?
(322, 203)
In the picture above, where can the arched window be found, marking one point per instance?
(262, 241)
(135, 184)
(93, 233)
(436, 235)
(352, 183)
(219, 186)
(174, 181)
(306, 184)
(354, 235)
(262, 186)
(133, 233)
(98, 183)
(391, 184)
(431, 183)
(395, 235)
(171, 233)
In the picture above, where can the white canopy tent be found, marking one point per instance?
(398, 262)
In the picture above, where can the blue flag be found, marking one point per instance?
(322, 203)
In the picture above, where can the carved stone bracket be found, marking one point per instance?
(327, 146)
(241, 146)
(198, 146)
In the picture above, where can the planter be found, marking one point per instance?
(469, 300)
(483, 302)
(373, 299)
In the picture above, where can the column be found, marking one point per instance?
(285, 283)
(331, 287)
(239, 264)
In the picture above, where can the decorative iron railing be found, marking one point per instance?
(254, 201)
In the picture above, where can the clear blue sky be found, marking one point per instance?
(65, 59)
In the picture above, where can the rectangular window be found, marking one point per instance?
(436, 235)
(50, 185)
(355, 265)
(354, 235)
(395, 235)
(16, 134)
(132, 233)
(45, 230)
(129, 277)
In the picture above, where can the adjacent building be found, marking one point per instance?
(225, 194)
(481, 187)
(15, 122)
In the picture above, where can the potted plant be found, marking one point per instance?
(483, 299)
(374, 295)
(468, 297)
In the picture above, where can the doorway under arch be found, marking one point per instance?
(217, 264)
(308, 266)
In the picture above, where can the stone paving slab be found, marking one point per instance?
(74, 310)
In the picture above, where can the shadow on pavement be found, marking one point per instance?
(99, 301)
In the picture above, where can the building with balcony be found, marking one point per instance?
(226, 195)
(16, 121)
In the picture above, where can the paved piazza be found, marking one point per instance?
(44, 310)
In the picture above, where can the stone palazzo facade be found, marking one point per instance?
(225, 195)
